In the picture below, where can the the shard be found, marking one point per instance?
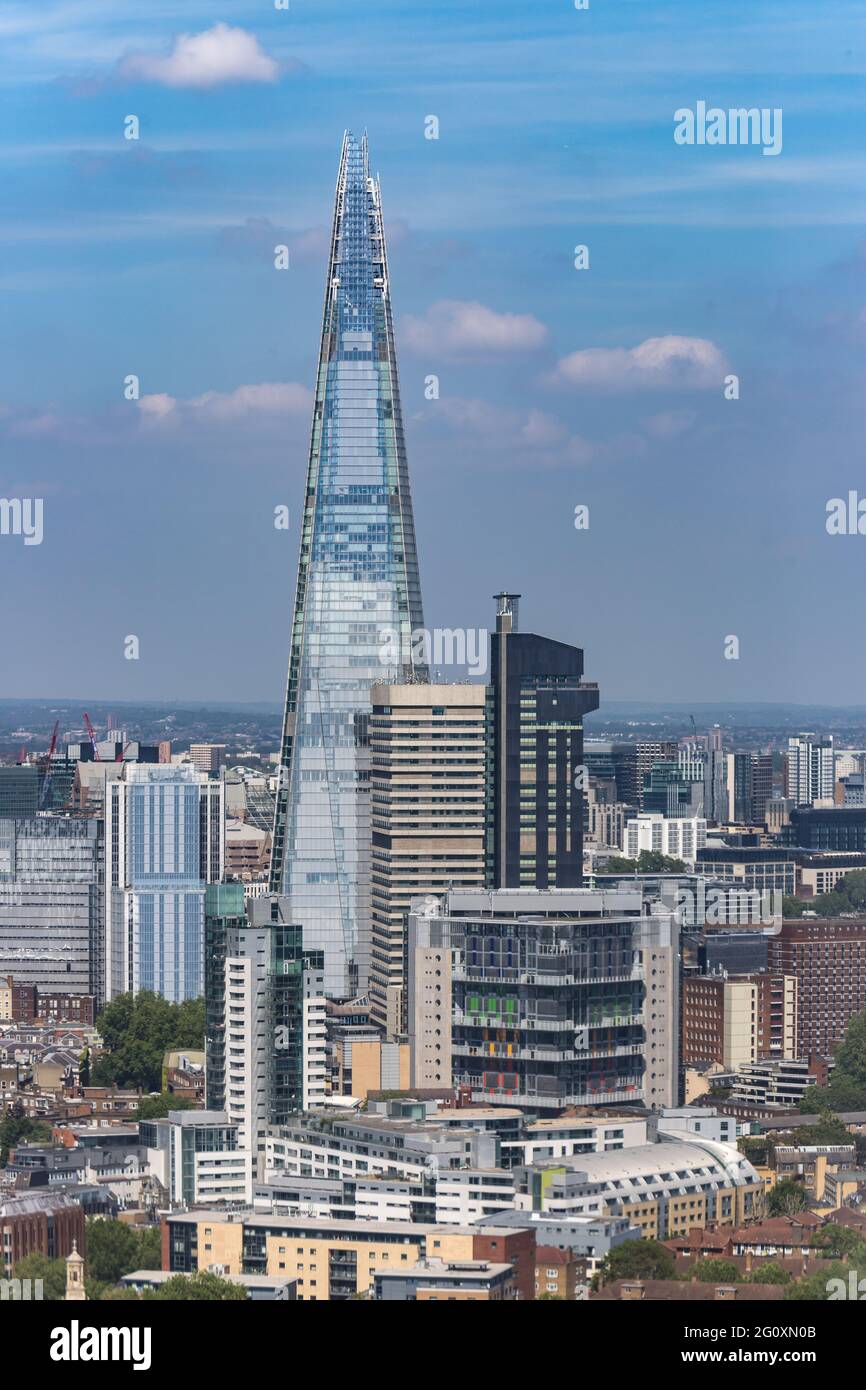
(358, 597)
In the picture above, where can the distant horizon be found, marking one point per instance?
(275, 706)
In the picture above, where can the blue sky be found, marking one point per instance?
(558, 387)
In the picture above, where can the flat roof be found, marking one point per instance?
(325, 1224)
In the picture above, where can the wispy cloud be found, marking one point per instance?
(266, 398)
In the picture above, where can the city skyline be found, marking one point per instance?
(558, 388)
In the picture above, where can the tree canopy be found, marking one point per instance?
(647, 862)
(137, 1031)
(115, 1248)
(638, 1259)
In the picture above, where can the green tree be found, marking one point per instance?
(137, 1031)
(851, 1054)
(786, 1198)
(638, 1259)
(84, 1067)
(21, 1129)
(754, 1148)
(829, 1130)
(115, 1249)
(716, 1271)
(157, 1107)
(647, 862)
(840, 1242)
(770, 1272)
(202, 1287)
(815, 1289)
(51, 1272)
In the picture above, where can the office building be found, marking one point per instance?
(52, 904)
(832, 829)
(648, 753)
(612, 768)
(358, 600)
(850, 790)
(19, 791)
(207, 757)
(749, 787)
(538, 701)
(669, 790)
(754, 868)
(264, 1015)
(821, 873)
(428, 808)
(164, 829)
(566, 997)
(811, 769)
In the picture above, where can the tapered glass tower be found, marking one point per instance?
(358, 593)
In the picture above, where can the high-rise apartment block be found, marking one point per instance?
(264, 1015)
(811, 769)
(828, 960)
(738, 1020)
(164, 834)
(546, 999)
(679, 837)
(428, 748)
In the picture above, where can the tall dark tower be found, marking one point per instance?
(537, 777)
(358, 594)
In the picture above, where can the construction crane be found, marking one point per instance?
(89, 727)
(46, 776)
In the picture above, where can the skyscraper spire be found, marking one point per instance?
(358, 590)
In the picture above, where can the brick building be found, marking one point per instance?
(40, 1224)
(828, 959)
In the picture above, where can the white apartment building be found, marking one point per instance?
(677, 837)
(811, 769)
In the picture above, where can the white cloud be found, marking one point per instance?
(157, 406)
(656, 364)
(217, 55)
(460, 328)
(267, 398)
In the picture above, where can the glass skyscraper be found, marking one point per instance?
(358, 595)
